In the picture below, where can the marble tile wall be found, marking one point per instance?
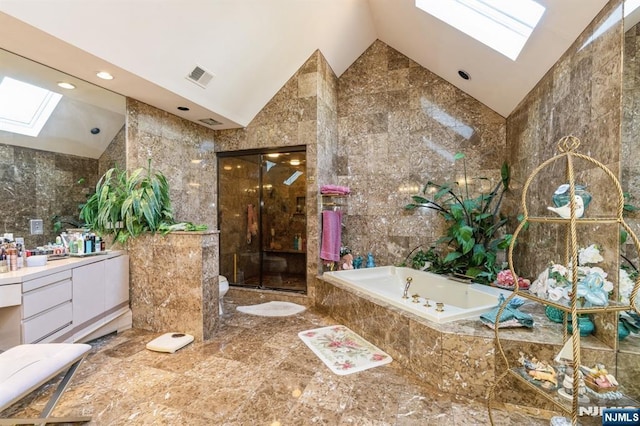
(174, 283)
(580, 95)
(40, 185)
(630, 169)
(183, 151)
(399, 126)
(174, 278)
(116, 153)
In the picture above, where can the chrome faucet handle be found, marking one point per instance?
(426, 303)
(415, 298)
(439, 306)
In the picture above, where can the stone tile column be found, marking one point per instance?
(174, 283)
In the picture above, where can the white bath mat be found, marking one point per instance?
(169, 342)
(272, 309)
(342, 350)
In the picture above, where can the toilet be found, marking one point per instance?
(223, 284)
(274, 264)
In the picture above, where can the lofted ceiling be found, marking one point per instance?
(254, 46)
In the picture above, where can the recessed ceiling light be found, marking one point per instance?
(465, 75)
(66, 85)
(294, 162)
(104, 75)
(183, 108)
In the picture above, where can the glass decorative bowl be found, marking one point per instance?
(561, 196)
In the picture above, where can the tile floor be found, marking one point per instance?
(256, 372)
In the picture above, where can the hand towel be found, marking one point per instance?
(252, 223)
(331, 235)
(335, 189)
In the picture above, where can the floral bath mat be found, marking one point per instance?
(342, 350)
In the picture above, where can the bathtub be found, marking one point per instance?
(386, 283)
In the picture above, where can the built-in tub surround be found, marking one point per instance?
(458, 300)
(174, 283)
(458, 357)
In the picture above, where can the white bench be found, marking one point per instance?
(24, 368)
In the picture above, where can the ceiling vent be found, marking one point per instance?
(200, 76)
(210, 122)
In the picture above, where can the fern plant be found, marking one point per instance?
(129, 204)
(473, 235)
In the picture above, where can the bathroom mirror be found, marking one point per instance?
(82, 123)
(628, 359)
(47, 174)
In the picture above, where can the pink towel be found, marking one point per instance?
(335, 189)
(252, 223)
(331, 235)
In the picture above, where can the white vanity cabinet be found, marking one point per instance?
(88, 296)
(100, 294)
(71, 300)
(46, 307)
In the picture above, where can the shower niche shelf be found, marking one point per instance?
(577, 231)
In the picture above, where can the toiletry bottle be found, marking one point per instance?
(20, 257)
(13, 259)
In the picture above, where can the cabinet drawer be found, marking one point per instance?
(10, 295)
(44, 298)
(43, 281)
(40, 326)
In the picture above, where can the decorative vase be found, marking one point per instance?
(561, 196)
(585, 326)
(623, 331)
(554, 314)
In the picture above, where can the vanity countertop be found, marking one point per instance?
(53, 266)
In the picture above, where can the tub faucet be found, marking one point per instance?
(407, 284)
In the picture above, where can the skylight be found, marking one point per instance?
(503, 25)
(25, 108)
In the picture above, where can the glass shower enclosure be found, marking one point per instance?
(262, 218)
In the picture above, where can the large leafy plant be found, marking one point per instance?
(474, 234)
(127, 205)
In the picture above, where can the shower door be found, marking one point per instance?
(238, 218)
(262, 218)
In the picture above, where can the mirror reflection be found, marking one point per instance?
(54, 132)
(629, 345)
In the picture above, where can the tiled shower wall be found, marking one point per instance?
(400, 126)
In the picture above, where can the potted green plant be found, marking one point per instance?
(127, 205)
(474, 234)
